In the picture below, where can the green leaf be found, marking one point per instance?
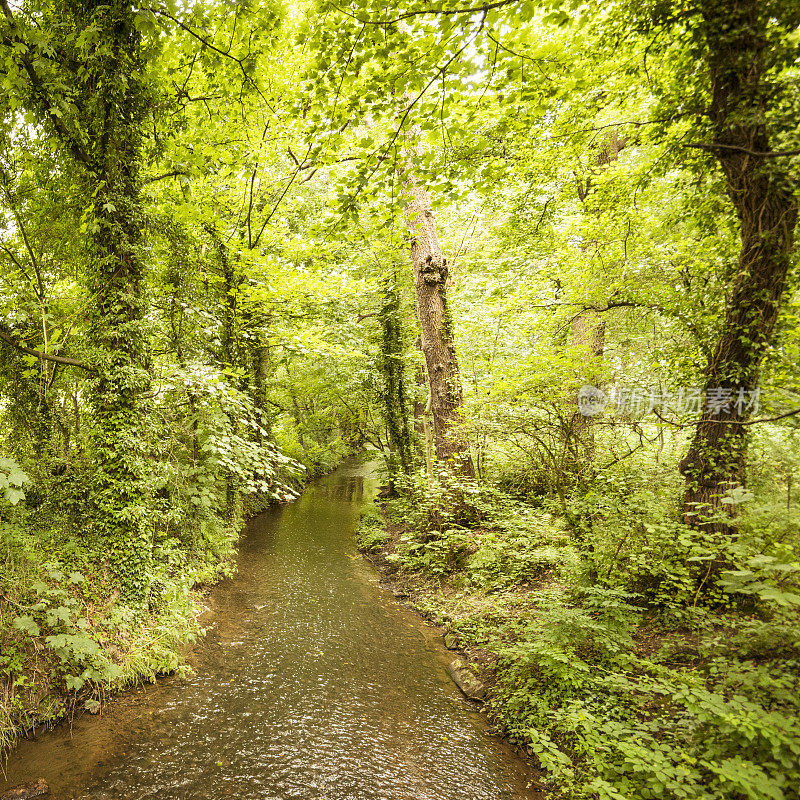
(27, 624)
(74, 682)
(779, 596)
(14, 495)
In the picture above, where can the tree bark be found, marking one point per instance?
(395, 401)
(438, 345)
(762, 194)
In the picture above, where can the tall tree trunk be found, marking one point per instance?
(191, 394)
(395, 401)
(438, 345)
(109, 169)
(230, 355)
(99, 123)
(231, 284)
(587, 340)
(587, 343)
(422, 410)
(260, 367)
(760, 189)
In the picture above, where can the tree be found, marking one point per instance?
(742, 49)
(392, 367)
(101, 131)
(587, 337)
(438, 343)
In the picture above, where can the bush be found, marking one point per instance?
(634, 656)
(371, 534)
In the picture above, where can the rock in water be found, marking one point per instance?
(26, 790)
(466, 680)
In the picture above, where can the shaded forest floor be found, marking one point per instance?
(617, 690)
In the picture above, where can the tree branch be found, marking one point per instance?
(71, 362)
(38, 88)
(203, 40)
(39, 287)
(738, 149)
(174, 174)
(280, 199)
(443, 12)
(727, 421)
(16, 262)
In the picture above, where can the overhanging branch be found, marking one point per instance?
(739, 149)
(71, 362)
(442, 12)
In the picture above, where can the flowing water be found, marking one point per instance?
(312, 683)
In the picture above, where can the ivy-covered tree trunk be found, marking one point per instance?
(258, 363)
(736, 41)
(88, 88)
(230, 353)
(260, 368)
(91, 92)
(110, 145)
(422, 411)
(438, 344)
(395, 401)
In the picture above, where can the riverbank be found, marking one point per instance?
(617, 691)
(66, 646)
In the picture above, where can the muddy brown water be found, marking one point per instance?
(312, 683)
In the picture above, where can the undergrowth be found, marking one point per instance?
(622, 656)
(66, 642)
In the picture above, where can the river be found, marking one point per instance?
(312, 683)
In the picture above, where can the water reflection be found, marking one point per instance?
(345, 486)
(311, 683)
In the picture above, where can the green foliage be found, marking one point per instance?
(12, 479)
(371, 534)
(521, 548)
(436, 552)
(630, 669)
(228, 298)
(56, 617)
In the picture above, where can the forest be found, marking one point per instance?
(535, 258)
